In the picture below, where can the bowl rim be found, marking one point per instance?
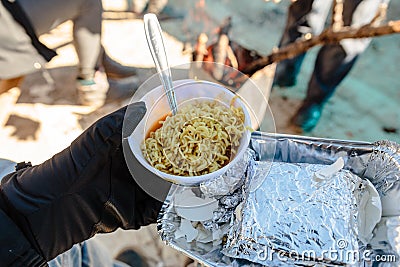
(195, 180)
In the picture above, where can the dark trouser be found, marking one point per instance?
(89, 253)
(333, 62)
(330, 69)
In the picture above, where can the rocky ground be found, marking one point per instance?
(42, 117)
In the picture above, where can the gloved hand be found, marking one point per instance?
(83, 190)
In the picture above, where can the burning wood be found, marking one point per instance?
(221, 51)
(200, 50)
(224, 52)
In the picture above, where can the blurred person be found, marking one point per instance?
(93, 253)
(158, 7)
(333, 62)
(21, 52)
(87, 188)
(149, 6)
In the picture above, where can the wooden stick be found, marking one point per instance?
(380, 15)
(326, 37)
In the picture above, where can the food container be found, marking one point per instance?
(378, 162)
(186, 92)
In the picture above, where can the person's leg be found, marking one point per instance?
(87, 37)
(330, 70)
(70, 258)
(87, 254)
(86, 16)
(93, 86)
(333, 63)
(46, 15)
(87, 20)
(94, 253)
(304, 16)
(131, 258)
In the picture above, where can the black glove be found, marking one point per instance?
(83, 190)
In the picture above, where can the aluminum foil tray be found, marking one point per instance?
(378, 162)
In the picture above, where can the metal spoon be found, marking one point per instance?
(155, 42)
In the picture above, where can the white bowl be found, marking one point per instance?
(157, 108)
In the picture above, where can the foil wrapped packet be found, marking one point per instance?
(378, 163)
(296, 214)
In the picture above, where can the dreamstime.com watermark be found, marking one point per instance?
(339, 254)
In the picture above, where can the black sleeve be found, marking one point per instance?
(15, 250)
(85, 189)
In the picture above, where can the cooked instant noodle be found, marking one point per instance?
(200, 138)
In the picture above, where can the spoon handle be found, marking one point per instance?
(157, 49)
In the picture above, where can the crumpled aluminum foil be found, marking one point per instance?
(375, 161)
(385, 243)
(229, 181)
(383, 171)
(293, 215)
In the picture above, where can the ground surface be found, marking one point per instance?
(39, 118)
